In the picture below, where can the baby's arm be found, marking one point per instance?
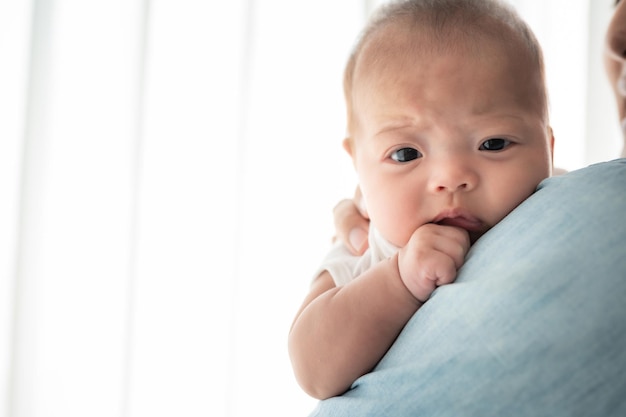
(340, 333)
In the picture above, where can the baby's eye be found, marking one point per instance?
(405, 155)
(495, 144)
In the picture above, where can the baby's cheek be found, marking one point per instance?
(516, 198)
(396, 226)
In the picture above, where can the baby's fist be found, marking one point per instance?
(431, 258)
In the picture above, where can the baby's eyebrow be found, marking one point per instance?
(398, 124)
(392, 128)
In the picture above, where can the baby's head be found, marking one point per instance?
(443, 26)
(447, 115)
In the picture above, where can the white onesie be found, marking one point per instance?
(344, 267)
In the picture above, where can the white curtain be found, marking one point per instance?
(167, 174)
(583, 114)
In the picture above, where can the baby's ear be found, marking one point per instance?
(348, 146)
(555, 171)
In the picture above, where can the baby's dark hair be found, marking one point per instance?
(449, 23)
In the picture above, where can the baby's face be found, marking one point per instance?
(450, 138)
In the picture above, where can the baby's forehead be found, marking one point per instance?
(397, 50)
(403, 36)
(399, 43)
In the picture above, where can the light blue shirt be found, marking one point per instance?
(535, 324)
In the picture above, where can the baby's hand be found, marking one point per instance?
(431, 258)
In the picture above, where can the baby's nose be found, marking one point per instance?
(453, 175)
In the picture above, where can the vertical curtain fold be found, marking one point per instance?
(15, 27)
(75, 210)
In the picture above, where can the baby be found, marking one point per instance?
(448, 131)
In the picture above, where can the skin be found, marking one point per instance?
(447, 119)
(351, 218)
(352, 223)
(449, 108)
(615, 61)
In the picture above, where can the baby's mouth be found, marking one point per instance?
(464, 220)
(459, 218)
(468, 224)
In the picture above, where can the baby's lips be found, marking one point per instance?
(462, 222)
(474, 228)
(459, 217)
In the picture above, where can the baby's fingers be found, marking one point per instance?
(440, 268)
(454, 242)
(422, 274)
(351, 226)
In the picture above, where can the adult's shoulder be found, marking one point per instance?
(535, 324)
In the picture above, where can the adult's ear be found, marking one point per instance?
(551, 134)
